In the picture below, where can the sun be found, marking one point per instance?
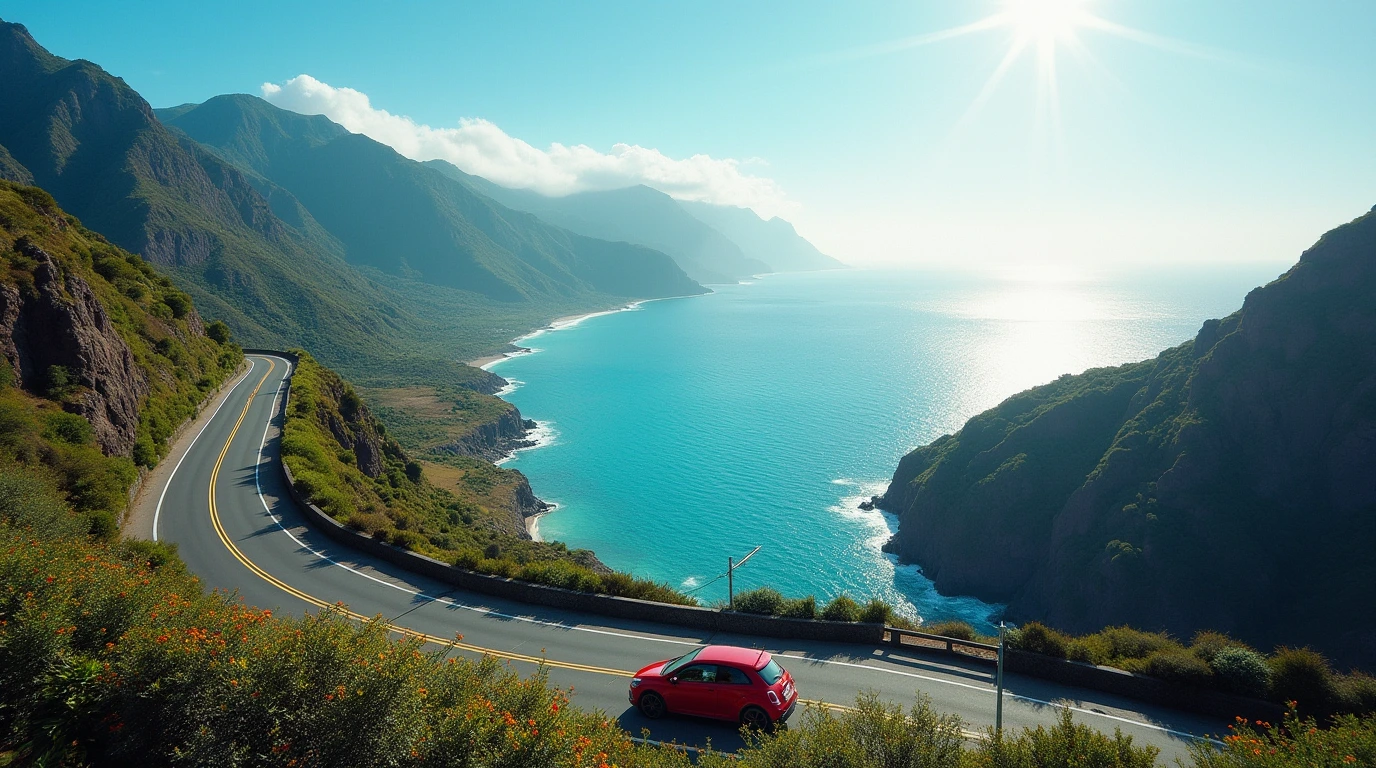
(1045, 21)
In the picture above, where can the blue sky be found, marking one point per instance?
(1239, 131)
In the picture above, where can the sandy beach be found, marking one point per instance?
(556, 324)
(533, 523)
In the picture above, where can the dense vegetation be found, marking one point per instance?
(343, 460)
(178, 360)
(111, 654)
(1225, 484)
(1213, 660)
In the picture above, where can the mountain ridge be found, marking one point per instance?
(402, 218)
(1222, 485)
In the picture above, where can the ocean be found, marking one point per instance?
(678, 433)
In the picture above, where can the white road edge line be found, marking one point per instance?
(559, 625)
(157, 511)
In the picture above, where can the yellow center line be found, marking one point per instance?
(451, 642)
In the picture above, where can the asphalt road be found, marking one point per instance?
(226, 508)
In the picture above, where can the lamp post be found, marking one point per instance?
(998, 703)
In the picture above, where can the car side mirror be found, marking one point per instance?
(673, 680)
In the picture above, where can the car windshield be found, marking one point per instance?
(771, 672)
(674, 664)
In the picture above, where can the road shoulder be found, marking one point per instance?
(138, 518)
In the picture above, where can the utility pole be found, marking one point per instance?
(730, 584)
(998, 704)
(731, 566)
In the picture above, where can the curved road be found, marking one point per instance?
(225, 507)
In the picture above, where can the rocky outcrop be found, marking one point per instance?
(60, 343)
(526, 502)
(493, 440)
(1227, 484)
(354, 427)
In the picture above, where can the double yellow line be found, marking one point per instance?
(312, 600)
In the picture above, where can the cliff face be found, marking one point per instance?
(55, 334)
(1227, 484)
(492, 440)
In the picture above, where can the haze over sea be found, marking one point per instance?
(685, 431)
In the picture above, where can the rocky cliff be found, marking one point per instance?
(1227, 484)
(492, 440)
(58, 339)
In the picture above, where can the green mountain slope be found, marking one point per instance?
(91, 141)
(1226, 484)
(774, 242)
(404, 219)
(635, 215)
(100, 359)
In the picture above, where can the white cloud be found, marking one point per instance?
(479, 147)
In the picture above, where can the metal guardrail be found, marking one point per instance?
(968, 649)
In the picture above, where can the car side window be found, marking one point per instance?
(698, 673)
(732, 676)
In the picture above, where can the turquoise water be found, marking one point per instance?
(685, 431)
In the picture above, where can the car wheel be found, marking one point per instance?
(652, 705)
(756, 719)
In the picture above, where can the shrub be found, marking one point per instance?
(957, 629)
(407, 539)
(841, 608)
(1241, 670)
(765, 601)
(876, 611)
(218, 332)
(1356, 693)
(1067, 743)
(1178, 667)
(1036, 637)
(468, 558)
(1303, 676)
(69, 428)
(1117, 643)
(1296, 741)
(493, 551)
(1208, 644)
(801, 608)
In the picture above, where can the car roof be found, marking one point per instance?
(752, 658)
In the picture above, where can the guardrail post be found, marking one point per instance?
(730, 584)
(998, 703)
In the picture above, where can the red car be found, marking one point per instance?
(744, 685)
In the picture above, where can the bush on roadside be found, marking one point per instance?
(1298, 741)
(800, 608)
(1066, 744)
(1035, 637)
(958, 629)
(1302, 675)
(1114, 645)
(876, 611)
(1207, 644)
(841, 608)
(1174, 666)
(1242, 671)
(765, 601)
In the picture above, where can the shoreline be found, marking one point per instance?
(533, 522)
(563, 323)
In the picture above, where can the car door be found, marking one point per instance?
(731, 692)
(690, 690)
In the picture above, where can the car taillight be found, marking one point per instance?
(773, 698)
(635, 681)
